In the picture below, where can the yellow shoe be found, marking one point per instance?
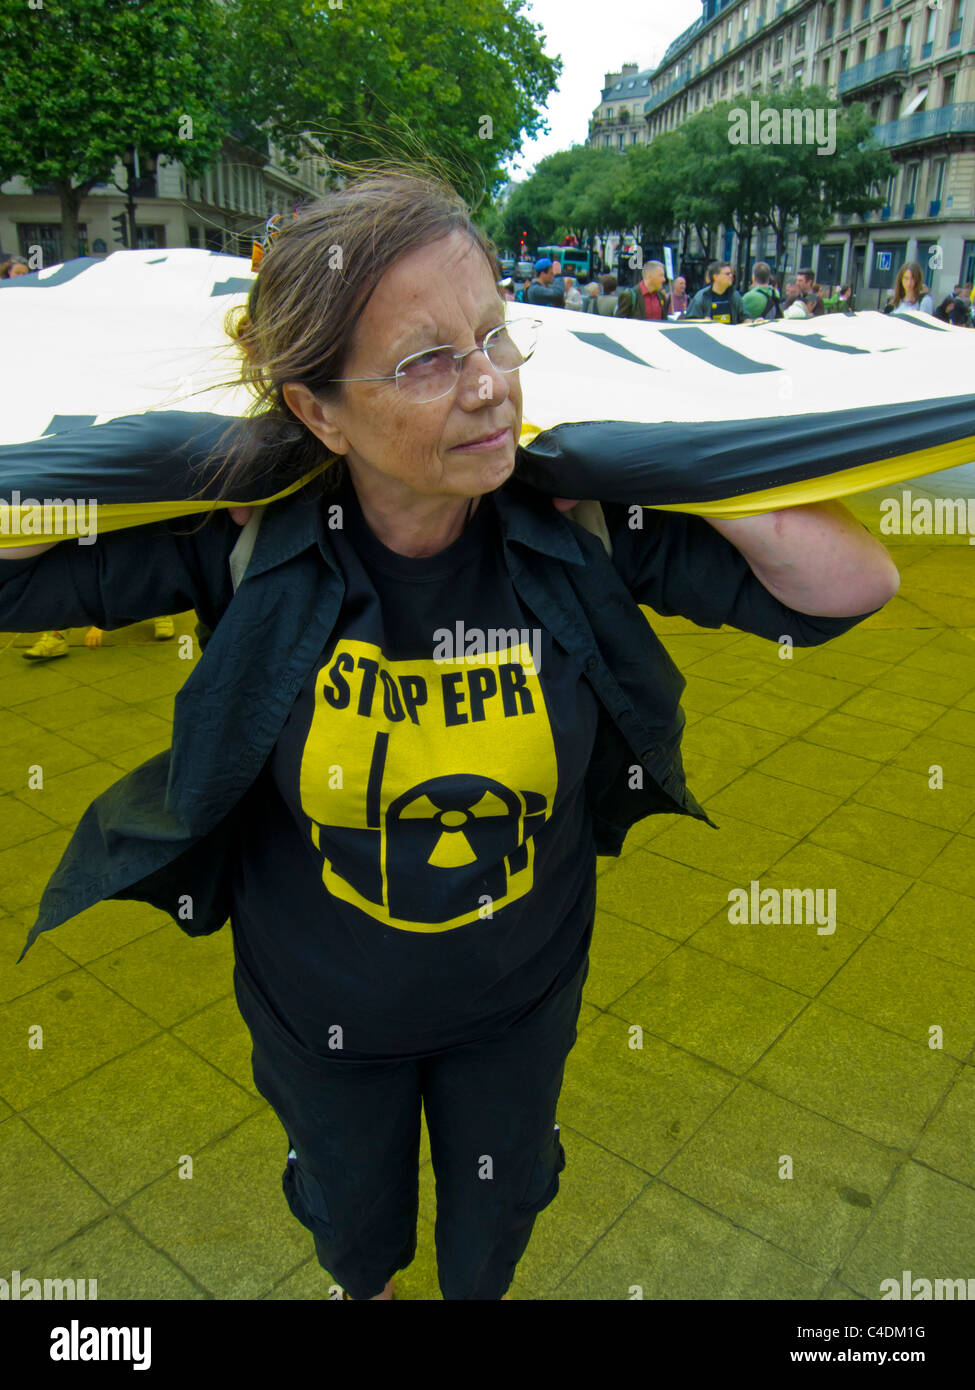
(47, 647)
(164, 629)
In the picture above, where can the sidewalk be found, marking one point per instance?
(134, 1148)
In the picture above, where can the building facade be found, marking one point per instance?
(909, 61)
(225, 210)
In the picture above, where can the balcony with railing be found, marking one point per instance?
(666, 93)
(886, 64)
(957, 119)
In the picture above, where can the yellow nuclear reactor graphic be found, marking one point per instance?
(425, 782)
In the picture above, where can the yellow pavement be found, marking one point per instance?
(753, 1109)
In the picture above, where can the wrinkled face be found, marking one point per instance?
(444, 293)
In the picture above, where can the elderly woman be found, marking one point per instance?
(429, 700)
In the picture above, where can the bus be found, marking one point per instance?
(575, 261)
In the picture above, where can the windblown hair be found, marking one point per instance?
(302, 311)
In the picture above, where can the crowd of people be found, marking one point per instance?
(767, 298)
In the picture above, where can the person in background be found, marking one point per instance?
(719, 302)
(522, 291)
(814, 306)
(805, 282)
(590, 299)
(573, 299)
(14, 265)
(955, 310)
(651, 300)
(50, 645)
(608, 300)
(541, 290)
(761, 285)
(910, 292)
(797, 309)
(679, 298)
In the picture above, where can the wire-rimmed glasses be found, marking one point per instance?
(428, 375)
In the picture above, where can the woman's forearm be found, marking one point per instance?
(817, 559)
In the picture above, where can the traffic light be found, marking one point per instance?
(121, 233)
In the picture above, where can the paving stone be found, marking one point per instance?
(911, 794)
(19, 823)
(650, 1097)
(66, 798)
(667, 898)
(954, 867)
(728, 741)
(737, 851)
(621, 954)
(871, 1080)
(860, 737)
(864, 892)
(43, 1202)
(713, 1009)
(55, 756)
(946, 1144)
(957, 725)
(770, 712)
(896, 987)
(817, 1208)
(229, 1226)
(672, 1249)
(773, 803)
(23, 877)
(935, 920)
(824, 692)
(70, 709)
(880, 838)
(109, 735)
(704, 696)
(167, 974)
(121, 1263)
(900, 710)
(908, 680)
(155, 1104)
(927, 751)
(925, 1225)
(84, 1026)
(793, 955)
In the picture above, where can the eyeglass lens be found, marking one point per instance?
(428, 375)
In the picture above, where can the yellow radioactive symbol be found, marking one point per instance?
(453, 849)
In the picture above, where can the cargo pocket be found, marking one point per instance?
(543, 1184)
(304, 1195)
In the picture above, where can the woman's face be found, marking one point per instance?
(444, 293)
(908, 283)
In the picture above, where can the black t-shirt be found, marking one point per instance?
(420, 868)
(719, 307)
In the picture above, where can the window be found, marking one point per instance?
(607, 140)
(906, 34)
(910, 186)
(148, 238)
(957, 19)
(777, 55)
(825, 72)
(847, 8)
(928, 44)
(843, 61)
(936, 181)
(609, 113)
(865, 10)
(891, 190)
(862, 51)
(193, 233)
(757, 60)
(741, 71)
(948, 91)
(797, 72)
(801, 35)
(882, 41)
(724, 80)
(619, 141)
(830, 21)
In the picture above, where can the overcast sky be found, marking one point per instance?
(593, 39)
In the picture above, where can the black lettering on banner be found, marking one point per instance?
(515, 695)
(338, 694)
(701, 345)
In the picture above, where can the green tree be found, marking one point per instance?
(459, 83)
(83, 80)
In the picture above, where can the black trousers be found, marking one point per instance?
(353, 1133)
